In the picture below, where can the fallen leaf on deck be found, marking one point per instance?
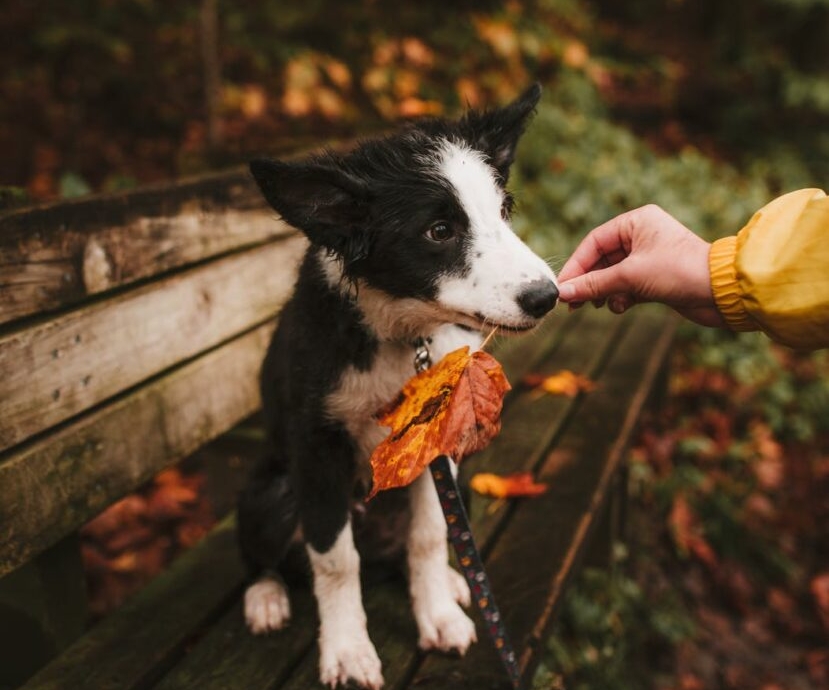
(563, 382)
(453, 408)
(819, 587)
(506, 486)
(686, 531)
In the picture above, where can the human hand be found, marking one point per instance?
(644, 255)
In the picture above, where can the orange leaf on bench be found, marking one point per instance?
(506, 486)
(563, 382)
(453, 408)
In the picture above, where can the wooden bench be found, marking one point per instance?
(131, 332)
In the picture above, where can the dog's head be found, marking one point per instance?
(423, 216)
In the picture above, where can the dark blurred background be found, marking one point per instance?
(709, 108)
(103, 94)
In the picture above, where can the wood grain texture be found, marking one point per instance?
(57, 255)
(533, 547)
(539, 549)
(53, 486)
(56, 369)
(531, 425)
(131, 648)
(230, 658)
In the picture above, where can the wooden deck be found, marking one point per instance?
(186, 630)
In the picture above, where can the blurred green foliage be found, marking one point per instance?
(577, 168)
(611, 633)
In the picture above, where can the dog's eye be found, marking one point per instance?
(440, 232)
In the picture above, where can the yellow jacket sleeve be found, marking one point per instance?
(774, 275)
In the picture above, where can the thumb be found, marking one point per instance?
(596, 285)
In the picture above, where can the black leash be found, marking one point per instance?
(471, 565)
(460, 536)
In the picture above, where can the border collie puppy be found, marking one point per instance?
(410, 243)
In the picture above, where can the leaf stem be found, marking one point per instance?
(488, 338)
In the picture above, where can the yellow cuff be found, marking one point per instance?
(726, 287)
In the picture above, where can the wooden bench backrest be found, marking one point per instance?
(132, 328)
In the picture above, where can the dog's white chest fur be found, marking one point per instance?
(361, 394)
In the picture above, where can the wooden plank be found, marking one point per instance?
(580, 471)
(391, 627)
(51, 371)
(532, 423)
(56, 255)
(53, 486)
(134, 646)
(227, 657)
(42, 611)
(230, 658)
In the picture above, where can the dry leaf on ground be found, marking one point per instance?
(506, 486)
(563, 382)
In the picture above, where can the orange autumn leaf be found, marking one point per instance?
(686, 530)
(506, 486)
(563, 382)
(453, 408)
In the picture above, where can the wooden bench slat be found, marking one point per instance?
(230, 658)
(53, 486)
(54, 370)
(532, 423)
(557, 524)
(596, 427)
(125, 651)
(57, 255)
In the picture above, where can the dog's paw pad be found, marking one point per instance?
(267, 606)
(448, 631)
(350, 660)
(458, 587)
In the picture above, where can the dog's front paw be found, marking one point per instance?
(446, 630)
(267, 606)
(350, 658)
(458, 587)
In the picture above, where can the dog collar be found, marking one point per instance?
(423, 357)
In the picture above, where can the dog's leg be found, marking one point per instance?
(458, 587)
(433, 586)
(267, 606)
(346, 652)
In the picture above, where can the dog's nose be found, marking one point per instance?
(538, 297)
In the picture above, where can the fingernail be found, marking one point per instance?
(566, 292)
(618, 305)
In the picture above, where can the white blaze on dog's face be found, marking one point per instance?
(504, 283)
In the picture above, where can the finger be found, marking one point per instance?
(606, 245)
(619, 304)
(593, 286)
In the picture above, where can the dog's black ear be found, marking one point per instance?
(326, 203)
(496, 132)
